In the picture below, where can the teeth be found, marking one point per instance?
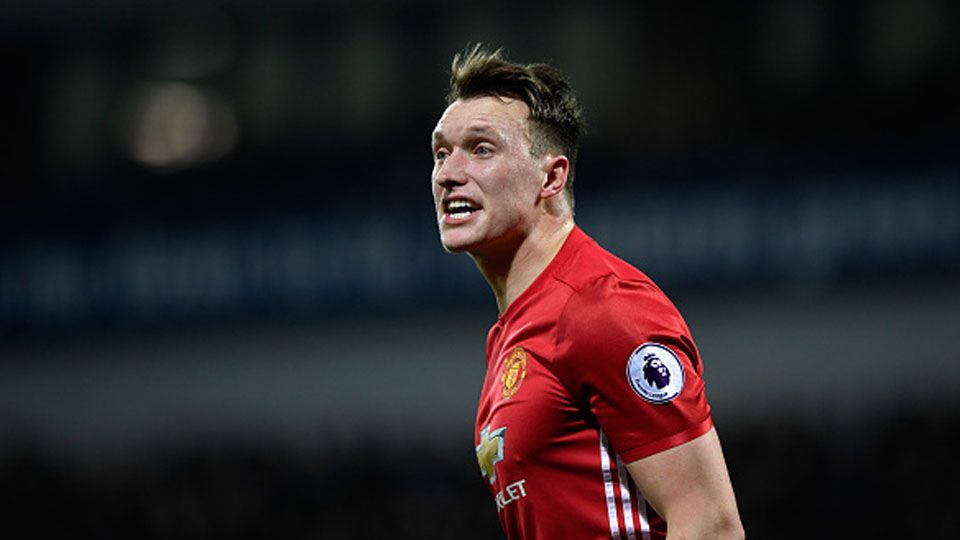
(459, 205)
(459, 215)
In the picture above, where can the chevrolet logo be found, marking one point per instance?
(490, 451)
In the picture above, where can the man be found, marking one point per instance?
(592, 422)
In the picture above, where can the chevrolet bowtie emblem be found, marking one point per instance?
(490, 451)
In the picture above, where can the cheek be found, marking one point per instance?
(524, 182)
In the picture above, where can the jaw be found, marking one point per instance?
(480, 238)
(459, 236)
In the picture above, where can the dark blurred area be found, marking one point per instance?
(224, 310)
(791, 480)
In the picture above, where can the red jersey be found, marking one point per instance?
(588, 369)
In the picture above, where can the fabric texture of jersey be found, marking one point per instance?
(559, 417)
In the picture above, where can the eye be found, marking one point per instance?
(440, 154)
(483, 150)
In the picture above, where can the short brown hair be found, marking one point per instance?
(556, 120)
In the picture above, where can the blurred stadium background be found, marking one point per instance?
(224, 310)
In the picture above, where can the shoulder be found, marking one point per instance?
(593, 273)
(611, 308)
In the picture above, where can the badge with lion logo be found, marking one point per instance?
(655, 373)
(513, 371)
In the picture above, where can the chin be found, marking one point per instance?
(455, 247)
(454, 243)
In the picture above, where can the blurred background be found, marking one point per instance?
(224, 310)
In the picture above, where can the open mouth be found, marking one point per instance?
(460, 208)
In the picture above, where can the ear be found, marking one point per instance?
(556, 170)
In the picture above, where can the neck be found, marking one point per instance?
(509, 275)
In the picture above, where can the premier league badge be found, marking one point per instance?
(655, 373)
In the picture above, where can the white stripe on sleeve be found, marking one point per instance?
(625, 494)
(608, 488)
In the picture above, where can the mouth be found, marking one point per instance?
(459, 209)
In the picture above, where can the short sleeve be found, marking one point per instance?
(626, 354)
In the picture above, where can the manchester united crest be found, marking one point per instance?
(513, 371)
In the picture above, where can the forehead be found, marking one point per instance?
(504, 115)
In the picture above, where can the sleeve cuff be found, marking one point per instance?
(666, 443)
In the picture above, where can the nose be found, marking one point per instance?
(451, 171)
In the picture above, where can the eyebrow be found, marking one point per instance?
(473, 130)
